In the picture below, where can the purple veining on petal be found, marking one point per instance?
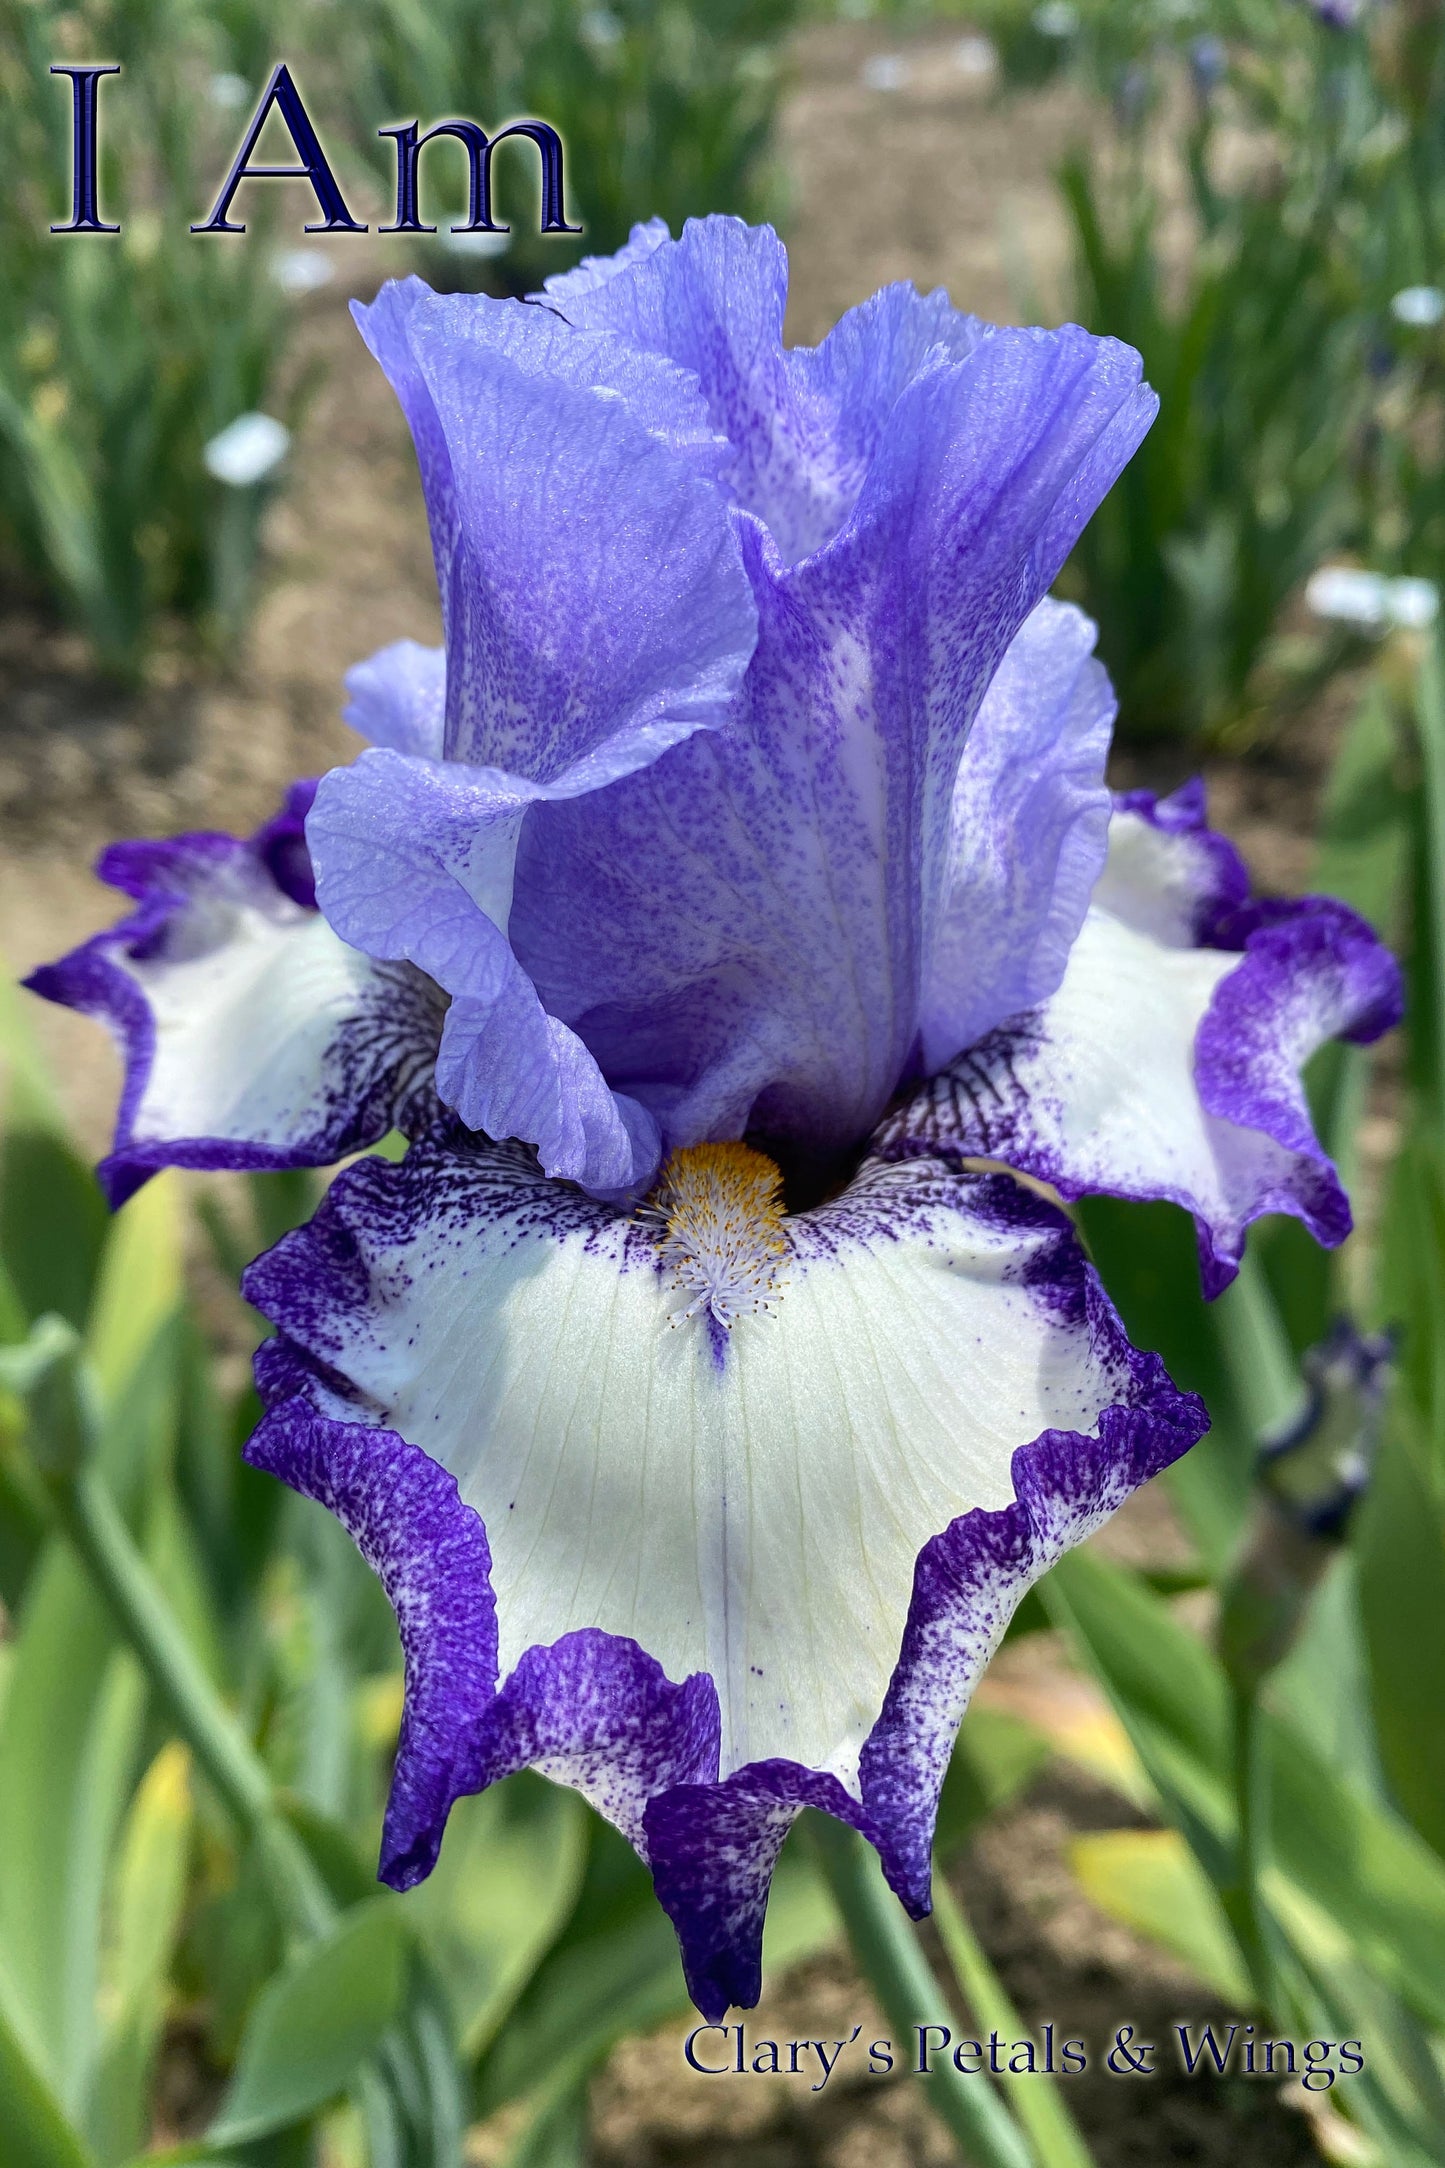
(593, 1708)
(371, 1070)
(597, 1712)
(739, 933)
(1229, 1137)
(1312, 970)
(593, 271)
(970, 1579)
(713, 1848)
(1030, 832)
(581, 643)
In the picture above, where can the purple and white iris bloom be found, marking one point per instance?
(726, 903)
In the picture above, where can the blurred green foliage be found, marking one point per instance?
(121, 357)
(1263, 188)
(664, 108)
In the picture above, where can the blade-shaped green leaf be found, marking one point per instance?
(315, 2024)
(67, 1746)
(139, 1285)
(33, 2130)
(1361, 1864)
(53, 1222)
(148, 1892)
(614, 1969)
(1399, 1542)
(1151, 1881)
(509, 1875)
(1149, 1263)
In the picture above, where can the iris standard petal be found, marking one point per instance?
(501, 401)
(741, 935)
(397, 698)
(1168, 1063)
(1030, 834)
(414, 861)
(802, 423)
(566, 286)
(597, 612)
(252, 1035)
(807, 1484)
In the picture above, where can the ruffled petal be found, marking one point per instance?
(742, 933)
(579, 648)
(1168, 874)
(589, 584)
(1162, 1069)
(803, 424)
(252, 1035)
(1030, 834)
(565, 287)
(733, 1573)
(414, 860)
(398, 698)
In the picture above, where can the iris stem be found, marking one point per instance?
(1057, 2139)
(1240, 1894)
(89, 1516)
(1256, 1352)
(891, 1959)
(1271, 1394)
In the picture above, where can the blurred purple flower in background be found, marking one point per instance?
(743, 866)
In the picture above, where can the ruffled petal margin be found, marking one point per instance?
(1168, 1063)
(252, 1036)
(460, 1312)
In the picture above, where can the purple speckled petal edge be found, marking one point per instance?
(713, 1848)
(1221, 880)
(596, 1711)
(1311, 970)
(430, 1553)
(382, 1064)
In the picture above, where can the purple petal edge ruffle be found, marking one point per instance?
(713, 1849)
(596, 1711)
(383, 1071)
(593, 1710)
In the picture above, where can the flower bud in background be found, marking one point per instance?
(1309, 1476)
(1208, 65)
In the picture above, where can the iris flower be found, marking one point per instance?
(720, 912)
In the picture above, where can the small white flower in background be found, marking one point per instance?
(1056, 19)
(302, 270)
(1370, 601)
(1414, 604)
(476, 244)
(1422, 306)
(228, 91)
(601, 29)
(247, 450)
(975, 56)
(885, 71)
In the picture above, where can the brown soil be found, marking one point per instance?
(1058, 1958)
(932, 180)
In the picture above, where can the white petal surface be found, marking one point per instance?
(254, 1018)
(750, 1506)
